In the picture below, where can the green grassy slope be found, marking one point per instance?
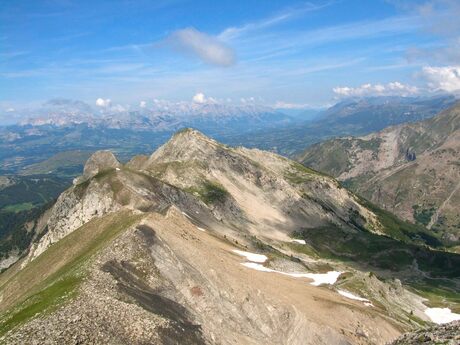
(54, 276)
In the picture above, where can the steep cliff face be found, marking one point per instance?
(411, 170)
(71, 211)
(201, 243)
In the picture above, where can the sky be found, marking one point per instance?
(284, 54)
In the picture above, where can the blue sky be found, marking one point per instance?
(278, 53)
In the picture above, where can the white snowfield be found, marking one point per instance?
(299, 241)
(441, 315)
(318, 278)
(251, 256)
(349, 295)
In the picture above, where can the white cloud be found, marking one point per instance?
(445, 78)
(103, 103)
(391, 89)
(200, 98)
(142, 104)
(287, 14)
(206, 47)
(10, 110)
(285, 105)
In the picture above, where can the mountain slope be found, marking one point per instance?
(412, 170)
(23, 204)
(161, 250)
(358, 116)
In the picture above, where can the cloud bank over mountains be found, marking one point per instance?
(390, 89)
(443, 78)
(436, 79)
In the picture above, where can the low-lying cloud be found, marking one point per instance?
(103, 103)
(203, 46)
(391, 89)
(200, 98)
(445, 78)
(287, 105)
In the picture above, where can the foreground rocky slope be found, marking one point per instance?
(412, 170)
(162, 250)
(445, 334)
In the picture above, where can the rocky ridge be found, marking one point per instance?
(394, 167)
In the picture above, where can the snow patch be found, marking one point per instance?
(185, 214)
(251, 256)
(318, 278)
(299, 241)
(349, 295)
(201, 229)
(441, 315)
(257, 267)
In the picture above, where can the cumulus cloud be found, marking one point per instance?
(200, 98)
(142, 104)
(103, 103)
(445, 78)
(203, 46)
(391, 89)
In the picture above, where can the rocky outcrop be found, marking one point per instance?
(448, 334)
(71, 211)
(99, 162)
(5, 182)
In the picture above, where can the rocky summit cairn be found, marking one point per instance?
(98, 162)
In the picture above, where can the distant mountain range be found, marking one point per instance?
(412, 170)
(358, 116)
(63, 126)
(159, 116)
